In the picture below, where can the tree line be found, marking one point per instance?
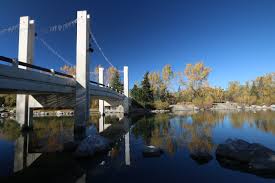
(155, 90)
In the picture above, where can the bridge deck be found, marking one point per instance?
(47, 86)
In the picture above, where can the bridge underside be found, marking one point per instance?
(48, 90)
(63, 101)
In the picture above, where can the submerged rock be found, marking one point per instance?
(201, 157)
(249, 157)
(92, 144)
(151, 151)
(69, 146)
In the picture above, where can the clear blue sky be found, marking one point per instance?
(236, 38)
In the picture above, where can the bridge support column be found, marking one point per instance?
(101, 106)
(25, 54)
(82, 106)
(126, 90)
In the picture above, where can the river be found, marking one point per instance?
(39, 156)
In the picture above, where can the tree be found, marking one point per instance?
(136, 93)
(2, 100)
(253, 90)
(10, 100)
(71, 70)
(218, 94)
(167, 75)
(233, 91)
(110, 74)
(115, 82)
(147, 94)
(197, 75)
(155, 82)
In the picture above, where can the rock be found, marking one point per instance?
(225, 106)
(92, 144)
(152, 151)
(102, 163)
(249, 157)
(160, 111)
(258, 107)
(183, 107)
(4, 114)
(196, 108)
(201, 157)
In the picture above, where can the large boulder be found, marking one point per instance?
(151, 151)
(201, 157)
(249, 157)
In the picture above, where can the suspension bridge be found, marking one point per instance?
(39, 87)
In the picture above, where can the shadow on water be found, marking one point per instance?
(39, 156)
(241, 167)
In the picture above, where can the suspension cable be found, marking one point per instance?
(100, 49)
(9, 29)
(51, 49)
(59, 28)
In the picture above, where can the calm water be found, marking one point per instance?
(38, 156)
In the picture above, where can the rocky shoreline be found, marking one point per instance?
(4, 113)
(222, 106)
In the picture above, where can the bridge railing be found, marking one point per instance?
(105, 86)
(16, 62)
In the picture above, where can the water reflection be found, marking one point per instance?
(31, 150)
(187, 139)
(195, 130)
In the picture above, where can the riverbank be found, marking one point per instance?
(172, 108)
(221, 106)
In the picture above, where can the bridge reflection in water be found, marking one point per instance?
(39, 154)
(182, 138)
(23, 157)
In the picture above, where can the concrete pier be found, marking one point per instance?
(126, 89)
(25, 54)
(101, 106)
(82, 104)
(40, 87)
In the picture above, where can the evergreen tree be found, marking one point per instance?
(115, 82)
(253, 90)
(147, 94)
(136, 93)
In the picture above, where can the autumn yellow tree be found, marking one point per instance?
(155, 81)
(197, 76)
(71, 70)
(167, 75)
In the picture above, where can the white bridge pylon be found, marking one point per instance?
(49, 90)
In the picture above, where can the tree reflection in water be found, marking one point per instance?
(263, 120)
(194, 130)
(9, 130)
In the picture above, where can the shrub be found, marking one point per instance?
(161, 105)
(203, 102)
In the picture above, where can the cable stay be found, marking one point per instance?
(9, 29)
(51, 49)
(59, 28)
(100, 49)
